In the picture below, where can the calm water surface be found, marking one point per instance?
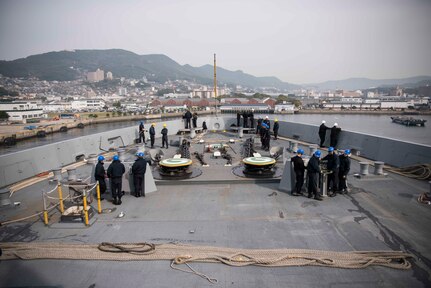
(380, 125)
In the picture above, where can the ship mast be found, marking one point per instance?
(215, 84)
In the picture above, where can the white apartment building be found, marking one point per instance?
(87, 104)
(21, 111)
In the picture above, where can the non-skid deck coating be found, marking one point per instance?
(378, 214)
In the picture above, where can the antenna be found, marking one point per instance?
(215, 84)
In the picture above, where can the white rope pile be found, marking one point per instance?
(181, 254)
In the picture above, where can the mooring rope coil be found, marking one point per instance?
(181, 254)
(420, 172)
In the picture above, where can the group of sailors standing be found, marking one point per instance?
(338, 166)
(115, 175)
(152, 132)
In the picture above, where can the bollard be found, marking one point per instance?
(364, 168)
(84, 201)
(4, 197)
(60, 197)
(57, 174)
(71, 174)
(294, 146)
(192, 133)
(313, 148)
(99, 206)
(240, 132)
(378, 167)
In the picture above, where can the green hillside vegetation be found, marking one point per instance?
(71, 65)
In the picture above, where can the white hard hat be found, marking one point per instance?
(323, 121)
(266, 117)
(335, 124)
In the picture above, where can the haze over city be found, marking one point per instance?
(296, 41)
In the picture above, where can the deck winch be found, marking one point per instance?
(259, 166)
(175, 167)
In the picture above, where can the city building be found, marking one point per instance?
(284, 108)
(109, 75)
(55, 106)
(22, 111)
(88, 104)
(98, 75)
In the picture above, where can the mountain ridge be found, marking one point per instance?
(69, 65)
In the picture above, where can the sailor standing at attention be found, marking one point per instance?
(152, 134)
(344, 170)
(335, 134)
(299, 168)
(100, 174)
(275, 128)
(164, 136)
(195, 120)
(187, 116)
(115, 173)
(313, 170)
(333, 166)
(138, 170)
(322, 132)
(141, 133)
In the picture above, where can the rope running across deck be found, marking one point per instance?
(183, 254)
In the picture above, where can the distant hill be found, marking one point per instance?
(365, 83)
(70, 65)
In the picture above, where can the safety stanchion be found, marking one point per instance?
(45, 210)
(60, 197)
(84, 200)
(99, 206)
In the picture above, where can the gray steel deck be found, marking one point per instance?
(379, 214)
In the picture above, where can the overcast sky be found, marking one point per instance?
(297, 41)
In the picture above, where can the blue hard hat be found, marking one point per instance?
(300, 151)
(317, 153)
(347, 151)
(140, 154)
(331, 149)
(100, 158)
(116, 158)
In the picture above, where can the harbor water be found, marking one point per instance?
(379, 125)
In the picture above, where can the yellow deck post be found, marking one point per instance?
(60, 196)
(99, 205)
(45, 211)
(84, 200)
